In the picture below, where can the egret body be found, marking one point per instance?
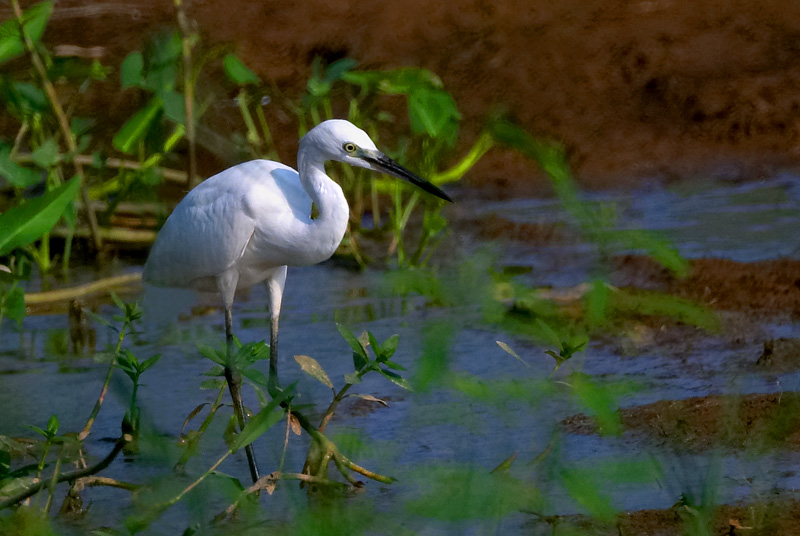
(248, 223)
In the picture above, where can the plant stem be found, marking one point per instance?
(332, 407)
(476, 152)
(268, 482)
(266, 132)
(104, 390)
(190, 487)
(93, 480)
(40, 468)
(252, 132)
(53, 481)
(68, 477)
(332, 453)
(169, 174)
(63, 123)
(188, 91)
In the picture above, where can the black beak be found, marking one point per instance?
(385, 164)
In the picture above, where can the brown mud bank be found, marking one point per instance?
(764, 288)
(642, 89)
(770, 518)
(746, 296)
(754, 422)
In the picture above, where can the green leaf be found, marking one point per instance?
(127, 361)
(81, 125)
(162, 56)
(396, 379)
(317, 85)
(464, 493)
(34, 21)
(263, 420)
(656, 247)
(599, 402)
(19, 176)
(395, 82)
(311, 367)
(376, 347)
(215, 371)
(238, 71)
(360, 357)
(27, 222)
(13, 305)
(596, 300)
(135, 129)
(5, 463)
(214, 383)
(393, 365)
(250, 353)
(505, 465)
(46, 154)
(100, 319)
(389, 346)
(435, 360)
(149, 362)
(174, 106)
(352, 379)
(132, 70)
(52, 425)
(76, 70)
(338, 68)
(37, 429)
(255, 376)
(214, 355)
(587, 492)
(117, 301)
(133, 312)
(639, 303)
(31, 98)
(433, 112)
(547, 333)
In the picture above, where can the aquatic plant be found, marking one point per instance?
(19, 483)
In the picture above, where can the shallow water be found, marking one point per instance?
(746, 222)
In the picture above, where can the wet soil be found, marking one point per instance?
(750, 422)
(769, 518)
(766, 288)
(635, 90)
(745, 295)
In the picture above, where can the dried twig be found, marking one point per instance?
(188, 91)
(81, 291)
(173, 175)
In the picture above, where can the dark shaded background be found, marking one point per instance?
(635, 89)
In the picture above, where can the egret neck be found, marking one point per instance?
(324, 233)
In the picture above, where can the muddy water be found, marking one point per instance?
(745, 222)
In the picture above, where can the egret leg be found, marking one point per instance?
(234, 379)
(275, 285)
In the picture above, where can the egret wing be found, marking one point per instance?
(210, 228)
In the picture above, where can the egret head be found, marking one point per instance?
(342, 141)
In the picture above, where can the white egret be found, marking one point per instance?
(248, 223)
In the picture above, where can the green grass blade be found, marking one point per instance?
(25, 223)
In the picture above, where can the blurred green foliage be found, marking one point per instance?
(407, 226)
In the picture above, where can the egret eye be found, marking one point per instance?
(350, 147)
